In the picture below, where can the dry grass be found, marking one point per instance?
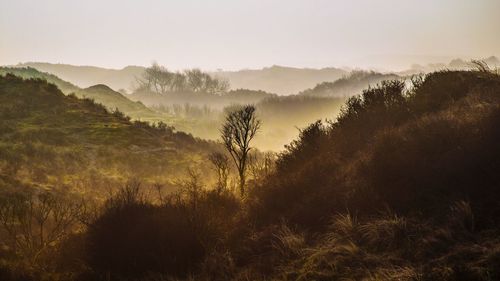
(386, 247)
(288, 243)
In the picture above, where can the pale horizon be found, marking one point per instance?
(230, 35)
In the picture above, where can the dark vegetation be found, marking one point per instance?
(402, 185)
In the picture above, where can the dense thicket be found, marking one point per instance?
(411, 150)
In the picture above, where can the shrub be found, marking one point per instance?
(139, 238)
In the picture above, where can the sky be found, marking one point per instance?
(239, 34)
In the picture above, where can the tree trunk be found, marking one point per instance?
(242, 182)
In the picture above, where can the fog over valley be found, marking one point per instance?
(249, 140)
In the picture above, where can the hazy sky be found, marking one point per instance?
(234, 34)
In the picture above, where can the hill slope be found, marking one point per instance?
(52, 140)
(86, 76)
(279, 79)
(99, 93)
(349, 85)
(403, 186)
(113, 100)
(30, 72)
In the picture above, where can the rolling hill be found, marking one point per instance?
(201, 114)
(51, 140)
(114, 100)
(279, 79)
(275, 79)
(86, 76)
(30, 72)
(102, 94)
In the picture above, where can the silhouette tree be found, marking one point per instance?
(239, 129)
(221, 166)
(156, 78)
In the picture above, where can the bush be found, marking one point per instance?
(135, 239)
(415, 150)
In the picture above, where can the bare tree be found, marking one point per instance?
(34, 222)
(190, 193)
(178, 82)
(199, 81)
(239, 129)
(196, 79)
(216, 85)
(221, 166)
(157, 78)
(261, 165)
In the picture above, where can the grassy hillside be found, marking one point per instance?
(116, 101)
(52, 140)
(102, 94)
(30, 72)
(201, 114)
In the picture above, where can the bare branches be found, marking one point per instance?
(33, 222)
(221, 166)
(261, 165)
(239, 129)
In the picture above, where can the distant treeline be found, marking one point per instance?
(161, 81)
